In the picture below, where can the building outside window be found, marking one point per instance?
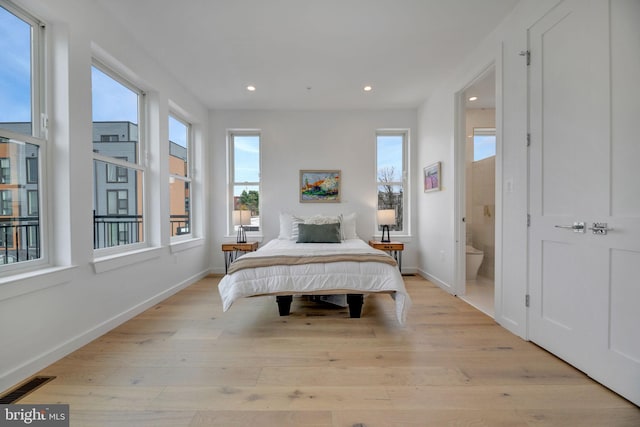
(180, 189)
(244, 172)
(118, 197)
(21, 138)
(5, 170)
(391, 172)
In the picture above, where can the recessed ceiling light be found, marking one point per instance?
(473, 98)
(251, 88)
(367, 88)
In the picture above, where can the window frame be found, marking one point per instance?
(404, 182)
(38, 137)
(189, 172)
(139, 167)
(231, 134)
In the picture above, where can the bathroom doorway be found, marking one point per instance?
(478, 160)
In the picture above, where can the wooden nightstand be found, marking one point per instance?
(231, 250)
(394, 248)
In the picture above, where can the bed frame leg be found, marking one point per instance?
(284, 304)
(355, 302)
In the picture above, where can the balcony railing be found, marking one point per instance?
(179, 225)
(19, 239)
(20, 236)
(116, 230)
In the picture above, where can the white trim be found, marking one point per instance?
(123, 259)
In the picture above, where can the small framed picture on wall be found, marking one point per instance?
(432, 178)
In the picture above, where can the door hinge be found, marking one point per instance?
(528, 139)
(526, 53)
(528, 220)
(526, 300)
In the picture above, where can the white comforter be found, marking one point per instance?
(361, 277)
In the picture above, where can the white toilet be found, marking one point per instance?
(474, 259)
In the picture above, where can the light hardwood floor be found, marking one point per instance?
(186, 363)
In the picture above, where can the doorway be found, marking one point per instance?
(477, 160)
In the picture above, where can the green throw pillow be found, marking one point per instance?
(319, 233)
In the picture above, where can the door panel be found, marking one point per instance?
(584, 286)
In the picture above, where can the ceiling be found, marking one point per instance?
(309, 54)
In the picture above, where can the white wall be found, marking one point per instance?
(45, 316)
(294, 140)
(437, 135)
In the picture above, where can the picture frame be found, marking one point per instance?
(320, 186)
(432, 177)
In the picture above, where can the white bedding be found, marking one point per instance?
(359, 277)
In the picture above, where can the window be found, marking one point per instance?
(179, 177)
(5, 170)
(484, 143)
(32, 170)
(32, 202)
(391, 168)
(22, 136)
(244, 172)
(117, 173)
(118, 198)
(6, 203)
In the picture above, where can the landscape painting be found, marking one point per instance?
(319, 186)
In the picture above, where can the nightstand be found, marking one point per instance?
(394, 248)
(231, 250)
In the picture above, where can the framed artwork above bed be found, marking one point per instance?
(320, 186)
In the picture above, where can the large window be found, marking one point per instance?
(391, 168)
(22, 136)
(118, 197)
(179, 176)
(244, 172)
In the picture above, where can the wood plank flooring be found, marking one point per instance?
(186, 363)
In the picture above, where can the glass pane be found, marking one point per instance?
(484, 143)
(246, 156)
(15, 73)
(391, 197)
(19, 212)
(178, 147)
(389, 158)
(117, 208)
(247, 197)
(115, 117)
(179, 205)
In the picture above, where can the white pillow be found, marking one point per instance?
(295, 220)
(285, 226)
(348, 226)
(321, 219)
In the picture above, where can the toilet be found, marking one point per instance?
(474, 259)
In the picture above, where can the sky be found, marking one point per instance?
(483, 146)
(390, 154)
(178, 132)
(15, 72)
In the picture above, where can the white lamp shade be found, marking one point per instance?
(241, 217)
(387, 216)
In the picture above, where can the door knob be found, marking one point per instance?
(577, 227)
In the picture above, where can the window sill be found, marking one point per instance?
(33, 281)
(186, 244)
(113, 262)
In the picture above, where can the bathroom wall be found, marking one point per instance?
(480, 193)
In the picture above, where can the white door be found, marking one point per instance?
(584, 94)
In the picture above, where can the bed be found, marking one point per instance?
(296, 265)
